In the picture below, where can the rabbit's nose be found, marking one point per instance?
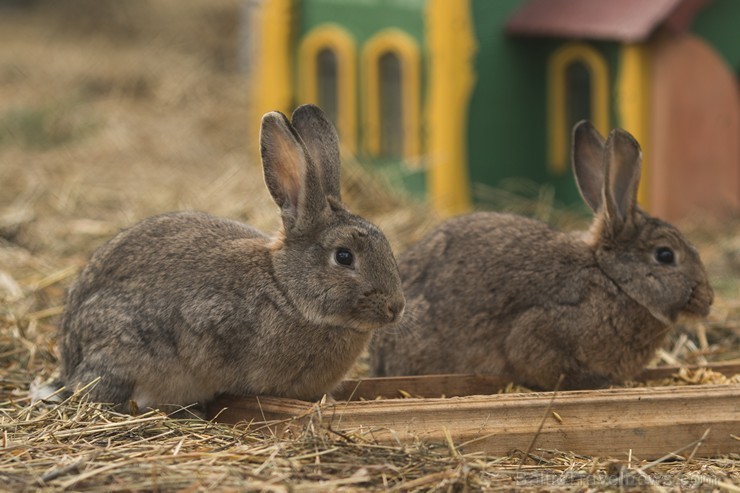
(395, 309)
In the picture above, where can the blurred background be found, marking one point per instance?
(458, 99)
(113, 111)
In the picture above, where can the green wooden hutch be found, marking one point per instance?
(447, 94)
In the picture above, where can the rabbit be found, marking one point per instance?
(184, 306)
(495, 293)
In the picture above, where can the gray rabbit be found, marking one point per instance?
(184, 306)
(497, 293)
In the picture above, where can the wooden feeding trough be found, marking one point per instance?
(469, 412)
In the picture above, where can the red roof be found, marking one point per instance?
(615, 20)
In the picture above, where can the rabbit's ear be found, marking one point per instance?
(623, 163)
(588, 163)
(322, 143)
(290, 174)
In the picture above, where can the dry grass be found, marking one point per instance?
(82, 446)
(106, 122)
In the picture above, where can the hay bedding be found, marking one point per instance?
(137, 110)
(82, 446)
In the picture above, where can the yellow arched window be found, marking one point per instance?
(391, 95)
(578, 88)
(327, 77)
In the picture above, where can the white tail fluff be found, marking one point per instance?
(50, 391)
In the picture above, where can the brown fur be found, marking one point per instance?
(185, 305)
(502, 294)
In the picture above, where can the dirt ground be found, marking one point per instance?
(114, 111)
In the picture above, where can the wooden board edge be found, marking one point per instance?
(453, 385)
(649, 421)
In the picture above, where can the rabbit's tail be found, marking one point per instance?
(49, 391)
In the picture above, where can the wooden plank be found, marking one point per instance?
(461, 385)
(419, 386)
(649, 421)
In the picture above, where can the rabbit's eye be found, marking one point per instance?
(665, 255)
(344, 257)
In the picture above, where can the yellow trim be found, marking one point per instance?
(271, 84)
(404, 46)
(341, 43)
(559, 134)
(452, 46)
(633, 102)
